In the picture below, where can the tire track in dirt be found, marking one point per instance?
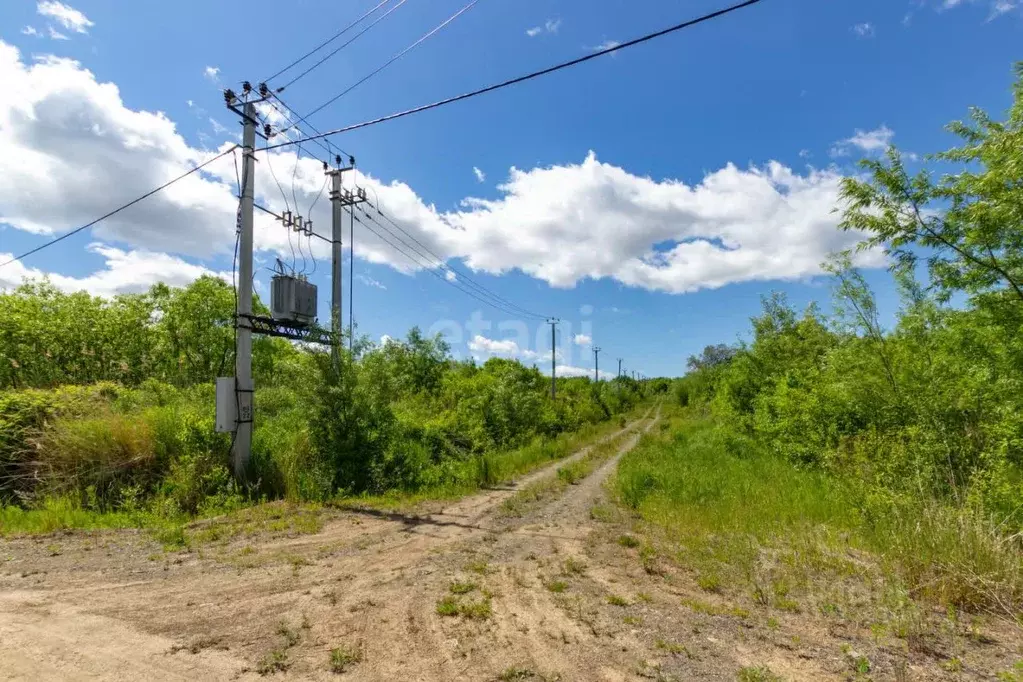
(369, 579)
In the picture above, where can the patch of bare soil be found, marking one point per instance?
(468, 593)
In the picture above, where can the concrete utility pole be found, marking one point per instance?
(553, 322)
(596, 363)
(351, 275)
(619, 368)
(243, 325)
(336, 216)
(339, 198)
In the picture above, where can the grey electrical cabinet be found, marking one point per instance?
(293, 300)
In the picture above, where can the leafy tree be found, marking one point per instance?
(712, 356)
(966, 224)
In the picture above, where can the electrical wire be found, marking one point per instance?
(343, 46)
(393, 59)
(311, 207)
(327, 42)
(328, 147)
(443, 264)
(480, 293)
(294, 174)
(526, 77)
(270, 166)
(122, 207)
(425, 264)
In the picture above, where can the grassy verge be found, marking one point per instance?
(793, 539)
(218, 523)
(551, 486)
(500, 467)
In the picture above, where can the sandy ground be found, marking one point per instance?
(566, 601)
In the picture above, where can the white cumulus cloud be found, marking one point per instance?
(582, 340)
(370, 282)
(31, 31)
(481, 344)
(124, 272)
(867, 141)
(70, 150)
(212, 73)
(55, 34)
(573, 371)
(66, 16)
(480, 175)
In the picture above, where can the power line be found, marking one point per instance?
(427, 266)
(442, 263)
(529, 76)
(341, 47)
(327, 42)
(325, 147)
(500, 302)
(122, 207)
(394, 58)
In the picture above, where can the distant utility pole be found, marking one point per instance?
(596, 363)
(553, 322)
(619, 368)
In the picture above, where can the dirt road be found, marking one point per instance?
(472, 592)
(543, 579)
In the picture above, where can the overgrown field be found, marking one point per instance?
(108, 412)
(836, 448)
(748, 522)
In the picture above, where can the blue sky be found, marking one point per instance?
(716, 151)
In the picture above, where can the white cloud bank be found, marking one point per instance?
(506, 348)
(124, 272)
(70, 150)
(66, 16)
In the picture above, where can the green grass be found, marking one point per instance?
(461, 587)
(342, 658)
(66, 513)
(742, 519)
(628, 541)
(149, 427)
(495, 467)
(447, 606)
(480, 609)
(275, 661)
(674, 648)
(756, 674)
(548, 487)
(557, 586)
